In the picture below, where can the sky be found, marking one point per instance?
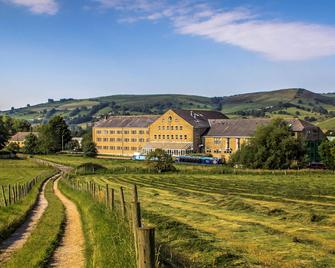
(90, 48)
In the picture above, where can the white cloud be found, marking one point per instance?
(277, 40)
(49, 7)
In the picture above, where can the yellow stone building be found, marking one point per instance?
(226, 136)
(122, 135)
(20, 138)
(180, 132)
(177, 131)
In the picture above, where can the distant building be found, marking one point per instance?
(226, 136)
(20, 138)
(181, 132)
(122, 135)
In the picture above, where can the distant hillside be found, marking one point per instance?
(293, 102)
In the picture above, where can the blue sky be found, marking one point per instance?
(88, 48)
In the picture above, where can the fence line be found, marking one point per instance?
(16, 192)
(144, 237)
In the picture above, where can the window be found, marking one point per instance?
(217, 140)
(167, 128)
(98, 139)
(99, 147)
(133, 148)
(228, 143)
(171, 137)
(112, 148)
(163, 128)
(126, 140)
(105, 131)
(119, 148)
(185, 137)
(112, 139)
(126, 148)
(159, 127)
(170, 119)
(141, 132)
(133, 132)
(134, 140)
(126, 132)
(159, 137)
(112, 132)
(98, 131)
(171, 127)
(105, 147)
(180, 127)
(181, 137)
(163, 137)
(119, 132)
(119, 139)
(217, 151)
(176, 137)
(155, 137)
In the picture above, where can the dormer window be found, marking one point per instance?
(170, 119)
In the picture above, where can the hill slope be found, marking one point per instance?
(279, 103)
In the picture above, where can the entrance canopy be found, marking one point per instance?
(172, 148)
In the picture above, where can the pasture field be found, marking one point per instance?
(234, 220)
(19, 171)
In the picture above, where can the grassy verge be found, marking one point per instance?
(43, 240)
(13, 216)
(108, 241)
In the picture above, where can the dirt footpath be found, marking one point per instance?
(20, 236)
(70, 252)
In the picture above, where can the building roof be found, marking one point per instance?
(21, 136)
(199, 118)
(236, 127)
(141, 121)
(247, 127)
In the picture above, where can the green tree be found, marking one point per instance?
(272, 147)
(4, 135)
(160, 161)
(88, 146)
(54, 136)
(327, 153)
(31, 144)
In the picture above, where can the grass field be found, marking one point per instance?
(229, 220)
(19, 171)
(40, 245)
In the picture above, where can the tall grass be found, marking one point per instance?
(14, 215)
(44, 239)
(109, 242)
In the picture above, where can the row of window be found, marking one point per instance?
(218, 141)
(122, 132)
(170, 127)
(121, 140)
(117, 148)
(172, 137)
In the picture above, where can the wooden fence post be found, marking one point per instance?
(9, 195)
(113, 199)
(136, 220)
(146, 247)
(122, 202)
(4, 195)
(107, 196)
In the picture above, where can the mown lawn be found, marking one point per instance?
(231, 220)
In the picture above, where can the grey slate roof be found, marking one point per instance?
(142, 121)
(236, 127)
(247, 127)
(199, 118)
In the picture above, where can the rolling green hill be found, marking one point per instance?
(318, 108)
